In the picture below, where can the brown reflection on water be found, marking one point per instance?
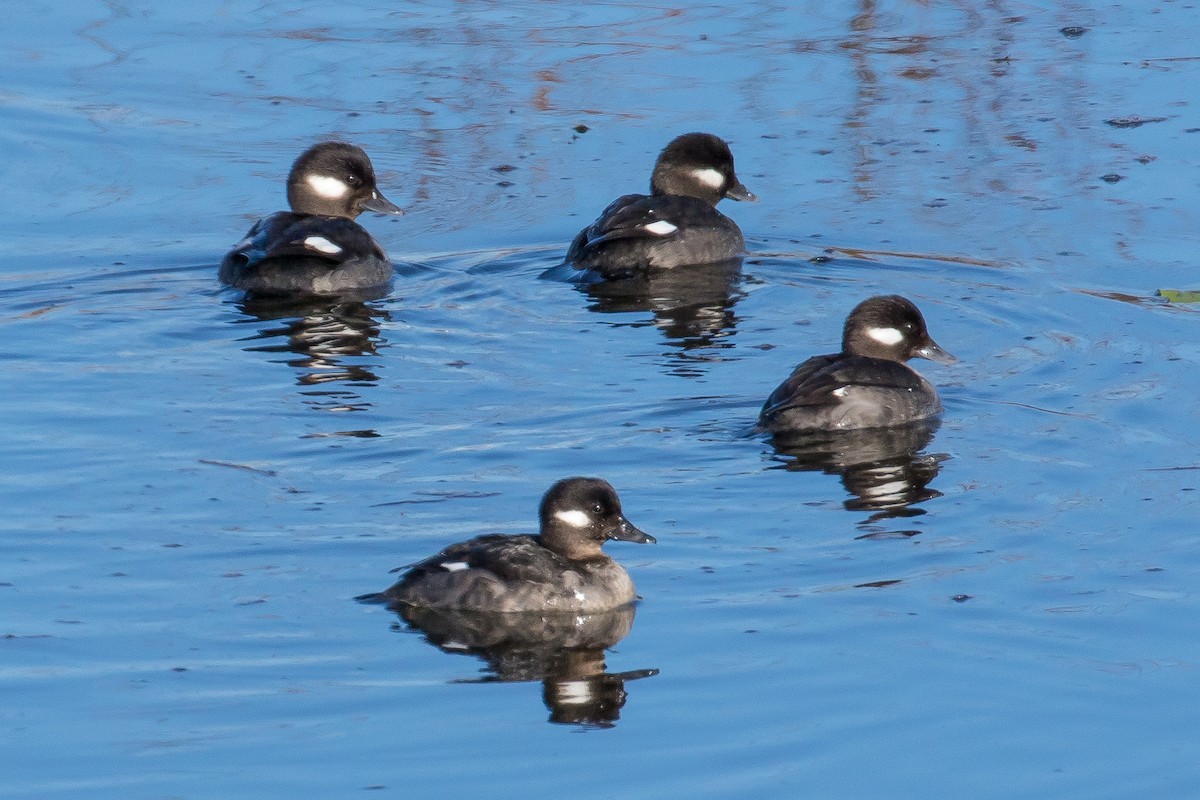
(565, 652)
(327, 337)
(693, 308)
(884, 470)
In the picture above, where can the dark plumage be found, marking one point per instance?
(316, 248)
(677, 224)
(867, 385)
(560, 569)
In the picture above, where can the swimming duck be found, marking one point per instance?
(676, 225)
(867, 384)
(317, 248)
(562, 568)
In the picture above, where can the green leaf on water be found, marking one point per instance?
(1179, 295)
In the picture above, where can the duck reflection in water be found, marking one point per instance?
(325, 334)
(883, 469)
(693, 307)
(562, 650)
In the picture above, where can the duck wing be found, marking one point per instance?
(286, 235)
(512, 559)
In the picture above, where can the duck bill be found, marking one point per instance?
(382, 205)
(739, 192)
(934, 352)
(626, 531)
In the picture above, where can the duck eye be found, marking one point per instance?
(599, 509)
(352, 180)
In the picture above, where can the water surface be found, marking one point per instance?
(196, 488)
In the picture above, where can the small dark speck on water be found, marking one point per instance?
(1154, 569)
(819, 259)
(179, 669)
(938, 202)
(503, 168)
(961, 598)
(1073, 31)
(581, 129)
(1111, 177)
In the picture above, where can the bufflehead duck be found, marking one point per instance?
(560, 569)
(317, 247)
(867, 385)
(677, 224)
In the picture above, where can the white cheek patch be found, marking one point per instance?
(887, 336)
(454, 566)
(661, 228)
(575, 518)
(573, 693)
(322, 245)
(327, 186)
(709, 177)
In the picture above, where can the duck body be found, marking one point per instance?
(498, 572)
(290, 254)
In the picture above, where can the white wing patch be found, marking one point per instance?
(840, 391)
(454, 566)
(709, 177)
(575, 518)
(886, 335)
(661, 228)
(322, 245)
(328, 186)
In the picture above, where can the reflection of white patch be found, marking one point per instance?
(886, 335)
(661, 228)
(321, 245)
(454, 566)
(575, 518)
(327, 186)
(574, 693)
(709, 177)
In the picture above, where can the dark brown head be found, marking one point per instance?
(890, 327)
(578, 515)
(698, 165)
(335, 179)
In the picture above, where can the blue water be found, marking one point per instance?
(195, 491)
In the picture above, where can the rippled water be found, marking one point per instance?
(1002, 606)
